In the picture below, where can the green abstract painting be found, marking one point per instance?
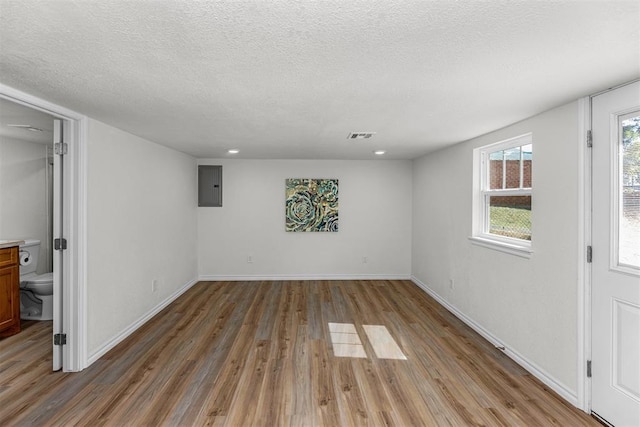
(312, 205)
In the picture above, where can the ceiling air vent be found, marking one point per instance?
(360, 135)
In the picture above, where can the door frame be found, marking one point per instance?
(74, 315)
(585, 172)
(584, 241)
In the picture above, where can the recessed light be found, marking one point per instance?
(379, 152)
(233, 151)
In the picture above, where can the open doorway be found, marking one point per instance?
(63, 240)
(29, 189)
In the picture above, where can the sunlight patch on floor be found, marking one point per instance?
(346, 341)
(383, 343)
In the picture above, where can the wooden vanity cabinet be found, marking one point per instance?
(9, 292)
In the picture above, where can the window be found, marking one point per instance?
(502, 199)
(627, 178)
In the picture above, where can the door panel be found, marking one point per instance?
(626, 356)
(57, 232)
(616, 262)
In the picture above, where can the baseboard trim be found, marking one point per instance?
(138, 323)
(253, 278)
(521, 360)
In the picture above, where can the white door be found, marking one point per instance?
(58, 158)
(615, 395)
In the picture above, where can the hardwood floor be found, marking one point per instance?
(261, 353)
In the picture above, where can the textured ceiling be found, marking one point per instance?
(291, 79)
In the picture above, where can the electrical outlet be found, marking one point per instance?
(154, 285)
(250, 259)
(450, 283)
(365, 259)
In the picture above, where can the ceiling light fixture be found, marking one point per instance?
(26, 127)
(379, 152)
(233, 151)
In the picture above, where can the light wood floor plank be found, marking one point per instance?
(260, 354)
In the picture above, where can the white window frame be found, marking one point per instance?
(481, 193)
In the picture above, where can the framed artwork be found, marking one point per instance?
(312, 205)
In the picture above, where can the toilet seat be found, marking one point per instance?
(41, 284)
(36, 290)
(41, 278)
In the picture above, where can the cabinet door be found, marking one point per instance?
(8, 257)
(9, 301)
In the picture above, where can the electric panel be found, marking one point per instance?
(210, 185)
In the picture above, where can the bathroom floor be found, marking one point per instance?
(33, 343)
(28, 324)
(28, 354)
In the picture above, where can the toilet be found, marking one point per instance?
(36, 290)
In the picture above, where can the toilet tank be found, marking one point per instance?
(31, 250)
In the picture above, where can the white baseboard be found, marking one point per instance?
(138, 323)
(232, 278)
(521, 360)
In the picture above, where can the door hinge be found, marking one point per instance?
(588, 368)
(589, 254)
(589, 139)
(60, 148)
(59, 339)
(59, 244)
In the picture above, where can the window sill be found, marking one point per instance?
(509, 248)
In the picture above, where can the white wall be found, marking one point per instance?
(141, 226)
(23, 195)
(374, 212)
(528, 304)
